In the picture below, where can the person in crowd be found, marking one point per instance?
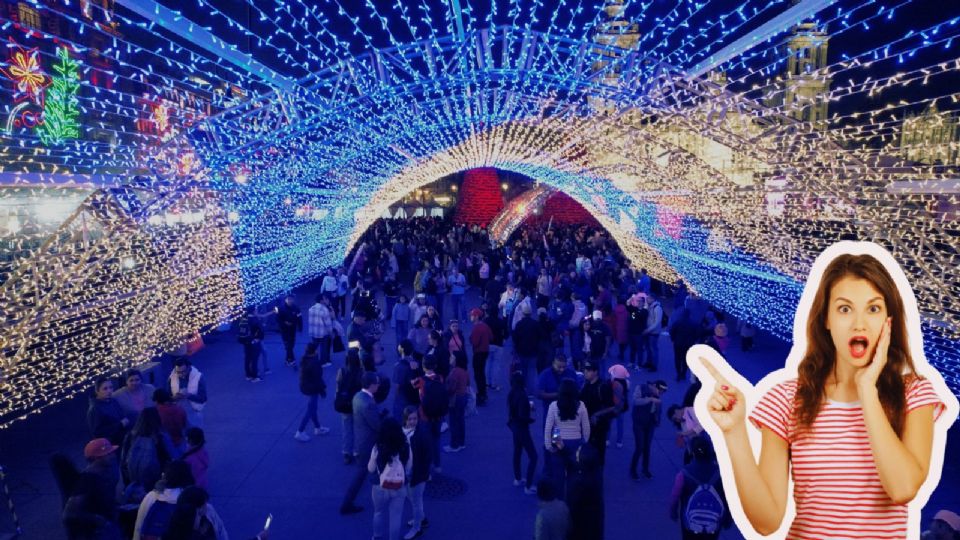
(405, 374)
(188, 388)
(643, 283)
(553, 516)
(250, 335)
(497, 336)
(526, 336)
(146, 450)
(322, 325)
(418, 308)
(343, 286)
(453, 339)
(457, 383)
(480, 337)
(651, 335)
(391, 293)
(688, 428)
(433, 316)
(683, 334)
(391, 461)
(361, 332)
(697, 500)
(91, 510)
(621, 334)
(197, 457)
(520, 415)
(420, 336)
(172, 417)
(646, 415)
(135, 395)
(366, 430)
(747, 334)
(548, 382)
(349, 382)
(290, 321)
(194, 518)
(438, 353)
(597, 396)
(105, 417)
(945, 525)
(421, 448)
(637, 316)
(434, 404)
(457, 283)
(546, 340)
(620, 390)
(328, 287)
(585, 494)
(719, 340)
(576, 333)
(566, 429)
(314, 387)
(156, 508)
(596, 338)
(400, 317)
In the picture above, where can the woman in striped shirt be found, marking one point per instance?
(856, 426)
(567, 427)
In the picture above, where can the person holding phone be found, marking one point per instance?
(566, 429)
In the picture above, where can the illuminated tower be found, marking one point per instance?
(612, 31)
(802, 89)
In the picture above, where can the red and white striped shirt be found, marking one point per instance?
(836, 486)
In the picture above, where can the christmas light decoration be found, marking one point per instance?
(60, 110)
(265, 168)
(481, 200)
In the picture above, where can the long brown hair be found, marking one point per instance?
(819, 360)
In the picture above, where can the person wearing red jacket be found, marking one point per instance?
(480, 337)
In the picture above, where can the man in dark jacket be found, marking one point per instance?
(290, 321)
(597, 397)
(421, 446)
(366, 429)
(526, 344)
(683, 333)
(405, 373)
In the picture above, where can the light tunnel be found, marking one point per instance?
(695, 176)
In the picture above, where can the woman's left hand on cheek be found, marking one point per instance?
(867, 376)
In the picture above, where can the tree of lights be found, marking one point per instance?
(61, 107)
(348, 109)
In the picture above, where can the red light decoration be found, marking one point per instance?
(564, 211)
(480, 198)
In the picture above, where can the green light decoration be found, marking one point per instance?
(61, 108)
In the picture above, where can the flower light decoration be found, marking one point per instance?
(730, 177)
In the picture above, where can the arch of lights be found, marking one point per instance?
(265, 184)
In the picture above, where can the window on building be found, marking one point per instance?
(28, 16)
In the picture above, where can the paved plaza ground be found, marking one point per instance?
(258, 468)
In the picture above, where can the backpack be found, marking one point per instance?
(619, 390)
(142, 460)
(435, 399)
(393, 476)
(703, 512)
(157, 520)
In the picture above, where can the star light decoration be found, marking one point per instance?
(724, 178)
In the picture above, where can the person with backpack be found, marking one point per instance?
(194, 518)
(697, 499)
(250, 335)
(585, 494)
(146, 450)
(197, 457)
(156, 509)
(348, 384)
(620, 386)
(646, 417)
(434, 404)
(313, 386)
(392, 462)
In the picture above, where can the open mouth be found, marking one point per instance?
(858, 346)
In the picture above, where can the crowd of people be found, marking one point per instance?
(557, 316)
